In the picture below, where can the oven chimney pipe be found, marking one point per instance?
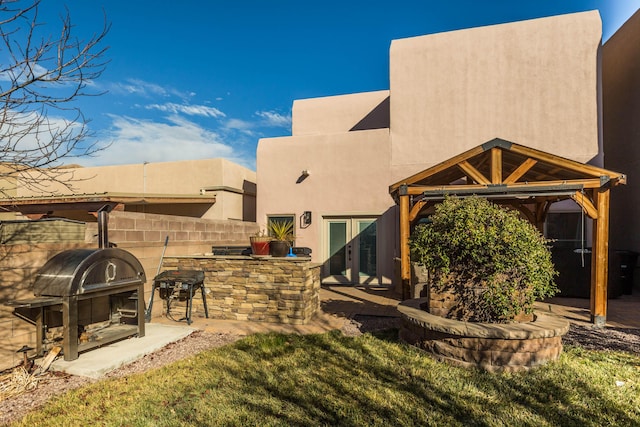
(103, 229)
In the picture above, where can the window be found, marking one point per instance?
(282, 218)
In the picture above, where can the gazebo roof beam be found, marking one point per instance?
(520, 171)
(586, 204)
(576, 184)
(567, 164)
(438, 168)
(473, 173)
(496, 165)
(544, 193)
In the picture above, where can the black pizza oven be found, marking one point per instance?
(78, 289)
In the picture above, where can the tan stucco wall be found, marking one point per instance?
(531, 82)
(348, 175)
(621, 106)
(336, 114)
(535, 83)
(181, 177)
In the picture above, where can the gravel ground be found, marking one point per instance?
(52, 383)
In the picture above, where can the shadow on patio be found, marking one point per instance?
(622, 312)
(349, 301)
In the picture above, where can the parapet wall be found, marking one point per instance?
(277, 290)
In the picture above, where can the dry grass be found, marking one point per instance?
(17, 382)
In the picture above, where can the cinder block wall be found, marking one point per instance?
(139, 233)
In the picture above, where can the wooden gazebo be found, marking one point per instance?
(527, 179)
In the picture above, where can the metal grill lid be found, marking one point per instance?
(80, 271)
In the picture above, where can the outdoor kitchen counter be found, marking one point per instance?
(258, 289)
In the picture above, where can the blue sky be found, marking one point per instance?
(202, 79)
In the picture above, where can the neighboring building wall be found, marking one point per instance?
(621, 106)
(531, 82)
(141, 234)
(213, 176)
(8, 188)
(144, 235)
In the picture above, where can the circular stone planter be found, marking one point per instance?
(489, 346)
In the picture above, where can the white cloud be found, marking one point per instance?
(241, 125)
(190, 110)
(29, 136)
(137, 141)
(267, 119)
(147, 89)
(274, 119)
(22, 72)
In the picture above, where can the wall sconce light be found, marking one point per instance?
(305, 219)
(303, 176)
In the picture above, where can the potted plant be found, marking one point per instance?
(260, 243)
(282, 234)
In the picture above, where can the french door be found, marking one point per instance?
(350, 250)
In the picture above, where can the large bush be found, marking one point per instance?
(494, 263)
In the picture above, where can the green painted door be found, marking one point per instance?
(351, 250)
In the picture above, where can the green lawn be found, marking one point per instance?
(331, 379)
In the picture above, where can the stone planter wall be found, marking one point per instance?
(493, 347)
(278, 290)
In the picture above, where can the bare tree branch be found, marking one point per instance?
(42, 76)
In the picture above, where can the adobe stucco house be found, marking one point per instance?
(208, 189)
(535, 83)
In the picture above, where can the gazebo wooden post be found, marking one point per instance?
(405, 261)
(600, 257)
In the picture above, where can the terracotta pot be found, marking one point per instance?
(259, 245)
(279, 248)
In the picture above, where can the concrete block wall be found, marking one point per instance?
(139, 233)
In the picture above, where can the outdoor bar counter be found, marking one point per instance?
(258, 289)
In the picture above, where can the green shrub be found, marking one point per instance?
(495, 263)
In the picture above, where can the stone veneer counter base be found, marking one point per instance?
(489, 346)
(258, 289)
